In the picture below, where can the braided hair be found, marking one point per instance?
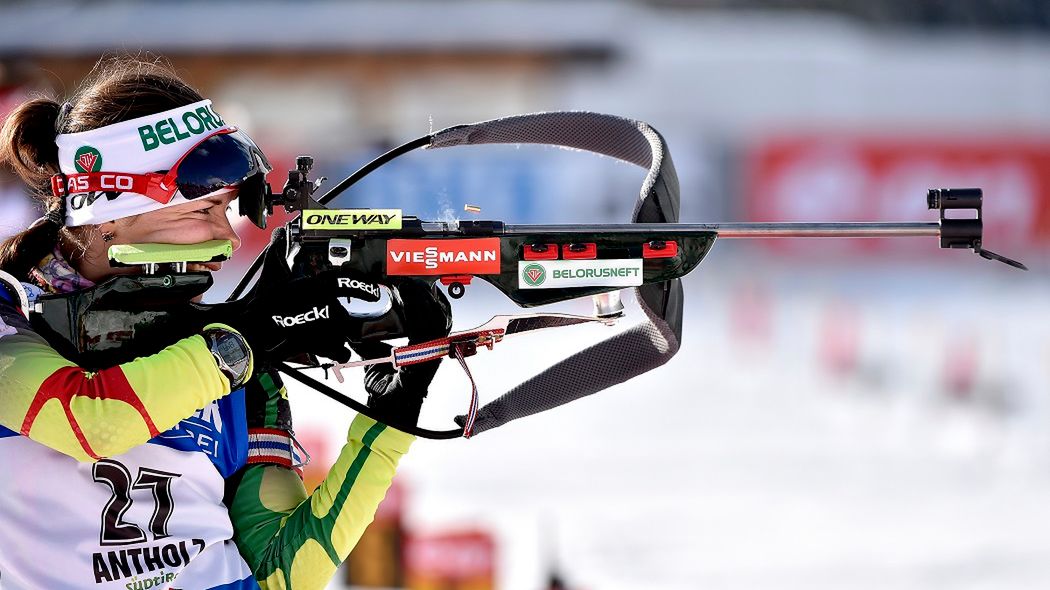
(118, 89)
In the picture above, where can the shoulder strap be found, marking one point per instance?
(632, 352)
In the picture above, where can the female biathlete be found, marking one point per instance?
(176, 469)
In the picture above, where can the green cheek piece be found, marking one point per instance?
(150, 255)
(131, 315)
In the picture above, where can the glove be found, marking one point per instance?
(396, 395)
(269, 416)
(302, 317)
(284, 317)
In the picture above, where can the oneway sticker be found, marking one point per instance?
(336, 219)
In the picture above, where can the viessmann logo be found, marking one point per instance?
(443, 257)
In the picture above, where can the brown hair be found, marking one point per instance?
(118, 89)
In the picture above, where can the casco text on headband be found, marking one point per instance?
(153, 162)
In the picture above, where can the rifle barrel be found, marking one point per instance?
(753, 230)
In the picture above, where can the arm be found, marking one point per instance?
(291, 540)
(88, 415)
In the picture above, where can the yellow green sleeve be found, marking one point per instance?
(291, 540)
(89, 415)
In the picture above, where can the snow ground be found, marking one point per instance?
(744, 465)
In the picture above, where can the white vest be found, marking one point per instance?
(152, 518)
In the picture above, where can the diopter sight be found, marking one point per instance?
(298, 191)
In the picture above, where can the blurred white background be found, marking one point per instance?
(843, 414)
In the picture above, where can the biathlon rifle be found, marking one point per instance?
(533, 265)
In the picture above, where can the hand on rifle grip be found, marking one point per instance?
(396, 394)
(283, 317)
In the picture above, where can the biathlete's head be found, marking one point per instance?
(135, 156)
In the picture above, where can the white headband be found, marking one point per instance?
(147, 144)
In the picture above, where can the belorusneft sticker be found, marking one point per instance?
(558, 274)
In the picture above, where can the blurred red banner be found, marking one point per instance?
(10, 97)
(867, 178)
(462, 560)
